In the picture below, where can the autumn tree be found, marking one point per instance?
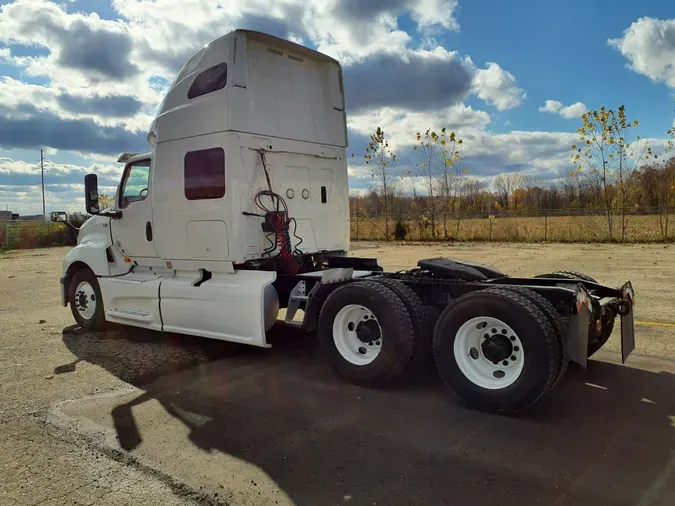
(428, 170)
(506, 185)
(608, 156)
(105, 201)
(448, 150)
(381, 160)
(657, 182)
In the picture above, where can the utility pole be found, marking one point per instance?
(42, 169)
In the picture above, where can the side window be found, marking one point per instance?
(209, 80)
(205, 174)
(135, 183)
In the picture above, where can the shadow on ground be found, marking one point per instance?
(606, 436)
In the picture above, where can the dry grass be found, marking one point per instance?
(529, 229)
(33, 234)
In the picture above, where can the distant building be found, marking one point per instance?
(5, 215)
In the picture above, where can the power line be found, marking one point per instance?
(42, 169)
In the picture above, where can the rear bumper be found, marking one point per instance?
(588, 311)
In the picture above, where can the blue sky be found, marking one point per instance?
(81, 79)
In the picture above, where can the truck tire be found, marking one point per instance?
(596, 340)
(567, 275)
(86, 302)
(422, 353)
(556, 322)
(496, 350)
(366, 333)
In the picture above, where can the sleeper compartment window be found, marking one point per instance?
(205, 174)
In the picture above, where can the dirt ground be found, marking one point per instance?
(135, 417)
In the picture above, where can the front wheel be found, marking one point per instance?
(86, 302)
(366, 333)
(496, 350)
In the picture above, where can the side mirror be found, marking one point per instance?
(91, 194)
(59, 216)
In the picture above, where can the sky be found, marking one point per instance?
(81, 79)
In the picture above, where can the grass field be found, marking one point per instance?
(33, 234)
(520, 229)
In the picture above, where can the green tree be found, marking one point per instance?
(381, 160)
(608, 156)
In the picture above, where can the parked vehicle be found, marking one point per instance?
(240, 209)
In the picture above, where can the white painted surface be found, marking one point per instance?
(172, 211)
(207, 239)
(228, 306)
(132, 299)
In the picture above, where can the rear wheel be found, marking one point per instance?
(86, 302)
(496, 350)
(596, 338)
(422, 353)
(556, 322)
(366, 333)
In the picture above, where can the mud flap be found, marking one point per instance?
(577, 343)
(627, 323)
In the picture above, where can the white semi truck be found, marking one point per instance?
(240, 209)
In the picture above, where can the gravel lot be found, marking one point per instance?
(135, 417)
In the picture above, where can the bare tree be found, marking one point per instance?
(506, 184)
(381, 159)
(428, 170)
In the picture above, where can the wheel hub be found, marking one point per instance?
(82, 300)
(85, 300)
(497, 348)
(488, 352)
(357, 334)
(368, 331)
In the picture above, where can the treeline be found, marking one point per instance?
(613, 173)
(652, 186)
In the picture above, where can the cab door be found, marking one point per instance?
(133, 231)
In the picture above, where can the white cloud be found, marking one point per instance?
(552, 106)
(649, 46)
(575, 110)
(433, 12)
(400, 125)
(498, 87)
